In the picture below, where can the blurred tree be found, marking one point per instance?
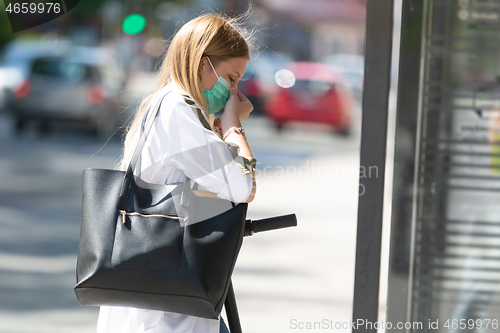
(86, 8)
(5, 31)
(83, 11)
(90, 7)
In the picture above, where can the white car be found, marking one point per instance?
(79, 84)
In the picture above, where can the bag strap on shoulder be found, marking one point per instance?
(124, 193)
(197, 111)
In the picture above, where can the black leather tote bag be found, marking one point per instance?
(159, 247)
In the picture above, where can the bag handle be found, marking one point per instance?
(124, 193)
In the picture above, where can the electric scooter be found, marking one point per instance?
(252, 227)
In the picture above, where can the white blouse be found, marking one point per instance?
(177, 146)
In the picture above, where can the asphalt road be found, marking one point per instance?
(282, 278)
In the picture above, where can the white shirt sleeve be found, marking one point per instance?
(178, 141)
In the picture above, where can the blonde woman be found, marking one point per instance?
(199, 77)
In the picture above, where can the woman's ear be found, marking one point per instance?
(203, 63)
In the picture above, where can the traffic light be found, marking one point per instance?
(133, 24)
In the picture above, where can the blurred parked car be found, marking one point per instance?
(352, 66)
(3, 88)
(79, 85)
(253, 88)
(258, 82)
(311, 92)
(17, 58)
(140, 81)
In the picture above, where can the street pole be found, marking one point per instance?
(379, 28)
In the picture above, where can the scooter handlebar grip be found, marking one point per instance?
(277, 222)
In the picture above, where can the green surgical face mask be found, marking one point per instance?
(219, 95)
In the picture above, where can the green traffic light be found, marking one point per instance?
(133, 24)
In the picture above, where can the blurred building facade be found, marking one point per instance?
(311, 30)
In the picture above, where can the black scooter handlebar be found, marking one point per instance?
(270, 223)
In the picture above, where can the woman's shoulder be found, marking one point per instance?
(175, 96)
(178, 103)
(172, 97)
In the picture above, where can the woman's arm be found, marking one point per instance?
(245, 151)
(179, 141)
(238, 108)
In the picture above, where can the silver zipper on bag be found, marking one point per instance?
(125, 213)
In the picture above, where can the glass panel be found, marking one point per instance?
(454, 257)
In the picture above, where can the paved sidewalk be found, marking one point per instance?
(283, 279)
(303, 274)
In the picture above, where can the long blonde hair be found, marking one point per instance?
(209, 34)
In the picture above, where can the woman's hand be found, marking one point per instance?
(237, 107)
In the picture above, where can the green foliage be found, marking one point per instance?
(5, 31)
(83, 10)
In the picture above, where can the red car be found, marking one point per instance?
(311, 92)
